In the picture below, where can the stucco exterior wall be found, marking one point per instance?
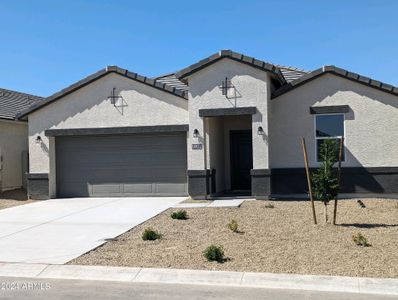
(371, 125)
(90, 107)
(215, 148)
(252, 89)
(13, 145)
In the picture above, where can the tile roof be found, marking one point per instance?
(12, 102)
(291, 73)
(338, 72)
(288, 73)
(259, 64)
(101, 73)
(173, 81)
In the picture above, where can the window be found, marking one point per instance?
(329, 127)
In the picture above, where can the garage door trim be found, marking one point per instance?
(117, 130)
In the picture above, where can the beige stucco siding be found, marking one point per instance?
(252, 89)
(13, 145)
(371, 125)
(90, 107)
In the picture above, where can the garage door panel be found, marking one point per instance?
(71, 188)
(138, 188)
(122, 165)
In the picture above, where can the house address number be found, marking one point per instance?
(196, 146)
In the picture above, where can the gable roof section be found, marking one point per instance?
(12, 102)
(173, 81)
(338, 72)
(290, 73)
(89, 79)
(234, 56)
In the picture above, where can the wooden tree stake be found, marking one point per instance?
(338, 178)
(308, 179)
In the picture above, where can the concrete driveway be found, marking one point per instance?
(56, 231)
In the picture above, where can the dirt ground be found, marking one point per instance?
(13, 198)
(282, 239)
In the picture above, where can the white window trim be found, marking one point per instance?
(334, 137)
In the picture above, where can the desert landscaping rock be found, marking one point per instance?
(282, 239)
(13, 198)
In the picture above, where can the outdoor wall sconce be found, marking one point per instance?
(38, 139)
(260, 130)
(196, 133)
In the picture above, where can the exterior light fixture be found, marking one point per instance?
(38, 139)
(260, 130)
(196, 133)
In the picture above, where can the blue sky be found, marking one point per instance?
(47, 45)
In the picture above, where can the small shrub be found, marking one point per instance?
(233, 226)
(360, 240)
(179, 215)
(150, 235)
(214, 253)
(269, 205)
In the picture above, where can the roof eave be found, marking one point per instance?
(91, 78)
(338, 72)
(251, 61)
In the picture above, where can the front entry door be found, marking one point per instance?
(241, 159)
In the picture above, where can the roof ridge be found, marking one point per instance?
(164, 75)
(245, 59)
(99, 74)
(292, 68)
(382, 86)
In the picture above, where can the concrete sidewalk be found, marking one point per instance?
(213, 204)
(356, 285)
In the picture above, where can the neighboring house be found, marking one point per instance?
(13, 139)
(229, 124)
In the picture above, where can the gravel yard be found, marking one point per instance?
(282, 239)
(13, 198)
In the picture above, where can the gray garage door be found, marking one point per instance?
(129, 165)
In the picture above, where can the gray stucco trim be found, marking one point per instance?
(117, 130)
(101, 73)
(38, 186)
(315, 110)
(261, 183)
(199, 183)
(260, 172)
(264, 66)
(375, 180)
(37, 176)
(338, 72)
(233, 111)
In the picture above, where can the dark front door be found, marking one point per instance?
(241, 159)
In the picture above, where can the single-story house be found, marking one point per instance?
(228, 124)
(13, 139)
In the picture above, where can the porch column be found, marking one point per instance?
(197, 172)
(261, 173)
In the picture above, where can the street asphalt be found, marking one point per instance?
(28, 288)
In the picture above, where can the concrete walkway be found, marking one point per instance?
(56, 231)
(213, 204)
(338, 284)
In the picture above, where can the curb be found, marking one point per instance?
(357, 285)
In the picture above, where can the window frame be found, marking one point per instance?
(331, 138)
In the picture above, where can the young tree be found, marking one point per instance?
(325, 179)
